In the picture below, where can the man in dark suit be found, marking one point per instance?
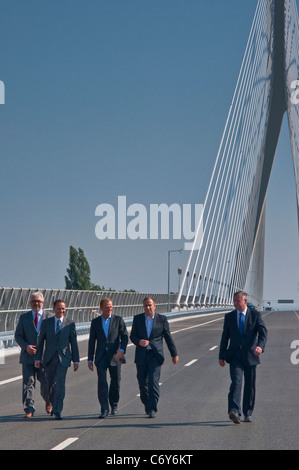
(243, 340)
(107, 345)
(148, 330)
(57, 343)
(26, 337)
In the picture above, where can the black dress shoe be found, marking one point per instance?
(58, 416)
(104, 414)
(152, 414)
(234, 417)
(114, 411)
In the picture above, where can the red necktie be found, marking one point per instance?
(36, 319)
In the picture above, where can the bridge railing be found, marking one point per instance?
(82, 306)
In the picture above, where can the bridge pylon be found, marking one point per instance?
(231, 256)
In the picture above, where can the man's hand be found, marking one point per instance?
(31, 349)
(258, 351)
(90, 366)
(175, 359)
(119, 354)
(222, 362)
(144, 343)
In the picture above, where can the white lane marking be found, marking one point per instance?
(65, 443)
(13, 379)
(212, 349)
(195, 326)
(69, 441)
(191, 362)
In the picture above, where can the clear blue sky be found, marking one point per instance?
(121, 97)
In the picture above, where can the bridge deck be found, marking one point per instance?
(192, 411)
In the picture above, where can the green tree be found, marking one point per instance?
(78, 272)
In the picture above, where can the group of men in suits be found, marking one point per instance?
(49, 344)
(107, 345)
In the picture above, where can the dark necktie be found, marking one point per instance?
(36, 320)
(58, 327)
(241, 322)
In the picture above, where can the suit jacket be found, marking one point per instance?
(98, 344)
(159, 331)
(65, 344)
(233, 344)
(26, 334)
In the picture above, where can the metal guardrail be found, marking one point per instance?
(82, 306)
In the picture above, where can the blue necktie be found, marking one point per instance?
(241, 322)
(58, 327)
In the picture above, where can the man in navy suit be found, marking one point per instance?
(108, 339)
(148, 330)
(243, 340)
(57, 345)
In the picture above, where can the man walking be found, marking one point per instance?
(148, 330)
(107, 345)
(57, 342)
(243, 340)
(26, 337)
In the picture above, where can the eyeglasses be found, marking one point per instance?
(37, 301)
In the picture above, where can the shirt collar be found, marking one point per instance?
(106, 319)
(40, 312)
(244, 311)
(149, 318)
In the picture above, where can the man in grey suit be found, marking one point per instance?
(26, 337)
(148, 330)
(243, 340)
(57, 344)
(107, 345)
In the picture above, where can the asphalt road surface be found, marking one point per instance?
(192, 412)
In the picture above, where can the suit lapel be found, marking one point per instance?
(235, 319)
(51, 328)
(111, 325)
(30, 321)
(100, 328)
(247, 318)
(143, 324)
